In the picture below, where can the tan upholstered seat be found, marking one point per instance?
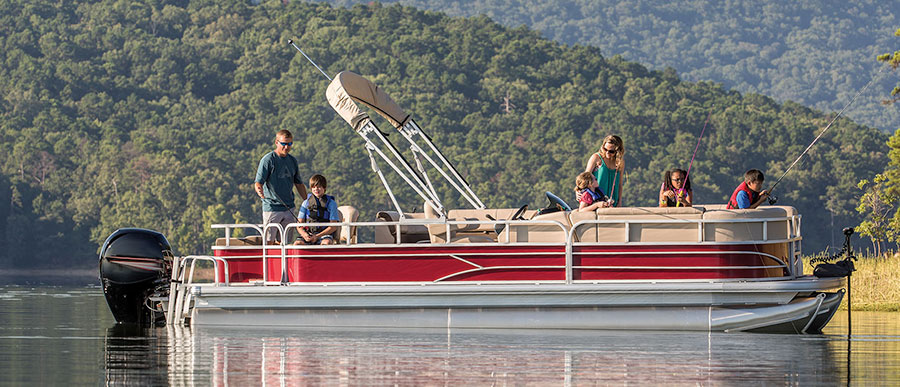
(585, 232)
(469, 233)
(348, 214)
(539, 233)
(738, 230)
(649, 224)
(253, 240)
(644, 224)
(409, 233)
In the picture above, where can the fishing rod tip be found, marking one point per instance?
(290, 41)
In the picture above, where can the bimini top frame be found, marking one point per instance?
(346, 90)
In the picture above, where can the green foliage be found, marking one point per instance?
(892, 60)
(155, 113)
(881, 196)
(878, 204)
(805, 51)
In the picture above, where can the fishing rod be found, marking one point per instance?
(772, 198)
(691, 164)
(289, 208)
(698, 142)
(612, 191)
(291, 42)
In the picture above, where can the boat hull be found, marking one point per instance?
(791, 306)
(471, 263)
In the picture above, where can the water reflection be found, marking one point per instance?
(291, 357)
(59, 336)
(135, 355)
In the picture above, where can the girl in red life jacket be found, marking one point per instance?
(676, 189)
(588, 193)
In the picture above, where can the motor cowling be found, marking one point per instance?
(135, 268)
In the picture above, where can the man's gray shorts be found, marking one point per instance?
(284, 218)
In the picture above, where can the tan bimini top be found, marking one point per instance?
(347, 89)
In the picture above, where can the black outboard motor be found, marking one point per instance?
(135, 268)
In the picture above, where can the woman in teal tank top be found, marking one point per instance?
(608, 166)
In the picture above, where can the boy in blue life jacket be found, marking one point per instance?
(318, 208)
(749, 194)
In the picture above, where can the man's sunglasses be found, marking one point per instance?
(286, 143)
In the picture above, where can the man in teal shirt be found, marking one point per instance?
(276, 177)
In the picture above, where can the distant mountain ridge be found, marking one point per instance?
(815, 53)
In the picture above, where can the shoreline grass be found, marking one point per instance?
(875, 285)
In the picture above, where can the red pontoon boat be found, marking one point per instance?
(698, 268)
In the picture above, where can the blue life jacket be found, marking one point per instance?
(597, 195)
(317, 211)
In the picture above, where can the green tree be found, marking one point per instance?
(155, 113)
(878, 204)
(792, 51)
(893, 60)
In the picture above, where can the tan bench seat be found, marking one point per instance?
(540, 233)
(253, 240)
(644, 224)
(409, 233)
(733, 228)
(469, 233)
(649, 224)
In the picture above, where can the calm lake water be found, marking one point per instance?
(67, 336)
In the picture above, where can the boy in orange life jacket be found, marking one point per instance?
(748, 194)
(318, 208)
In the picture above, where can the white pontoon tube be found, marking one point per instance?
(347, 89)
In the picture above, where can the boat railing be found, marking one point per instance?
(506, 223)
(229, 227)
(182, 280)
(793, 229)
(792, 237)
(192, 259)
(280, 231)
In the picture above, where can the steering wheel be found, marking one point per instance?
(556, 200)
(498, 228)
(519, 212)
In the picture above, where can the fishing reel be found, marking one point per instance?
(772, 200)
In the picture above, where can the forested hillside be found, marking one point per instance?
(812, 52)
(154, 114)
